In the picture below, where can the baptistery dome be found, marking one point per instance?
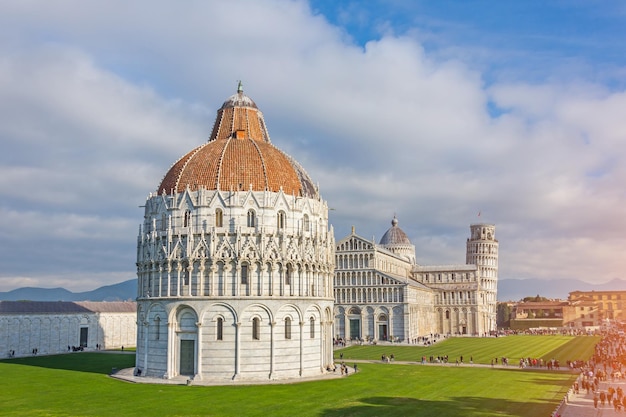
(238, 156)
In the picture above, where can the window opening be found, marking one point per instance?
(256, 328)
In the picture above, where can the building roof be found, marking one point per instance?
(542, 304)
(66, 307)
(394, 235)
(238, 157)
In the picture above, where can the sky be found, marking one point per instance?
(442, 113)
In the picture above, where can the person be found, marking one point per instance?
(122, 348)
(595, 400)
(355, 368)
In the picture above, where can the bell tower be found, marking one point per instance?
(482, 251)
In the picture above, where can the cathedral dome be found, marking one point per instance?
(394, 235)
(238, 157)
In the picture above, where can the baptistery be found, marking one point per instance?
(235, 261)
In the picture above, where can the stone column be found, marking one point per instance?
(171, 346)
(212, 270)
(160, 291)
(273, 274)
(179, 268)
(146, 326)
(272, 348)
(262, 275)
(237, 280)
(190, 275)
(226, 283)
(237, 348)
(200, 288)
(363, 324)
(151, 274)
(198, 375)
(169, 278)
(390, 325)
(301, 347)
(322, 343)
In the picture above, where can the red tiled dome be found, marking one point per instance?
(238, 156)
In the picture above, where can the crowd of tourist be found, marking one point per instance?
(599, 377)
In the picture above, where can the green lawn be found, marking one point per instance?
(77, 385)
(483, 350)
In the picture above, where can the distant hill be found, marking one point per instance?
(517, 289)
(124, 291)
(508, 290)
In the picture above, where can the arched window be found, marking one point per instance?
(163, 221)
(280, 220)
(448, 314)
(219, 218)
(157, 328)
(244, 274)
(256, 328)
(187, 218)
(312, 327)
(305, 223)
(287, 327)
(251, 218)
(220, 329)
(288, 275)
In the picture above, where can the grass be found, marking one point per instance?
(483, 350)
(78, 385)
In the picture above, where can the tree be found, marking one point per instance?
(536, 298)
(503, 315)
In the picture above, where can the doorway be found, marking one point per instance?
(187, 354)
(382, 332)
(355, 329)
(84, 336)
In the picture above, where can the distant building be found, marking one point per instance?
(582, 310)
(382, 293)
(540, 314)
(610, 305)
(52, 327)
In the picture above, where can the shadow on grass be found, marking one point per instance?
(99, 363)
(539, 371)
(461, 406)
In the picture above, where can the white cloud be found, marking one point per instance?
(98, 100)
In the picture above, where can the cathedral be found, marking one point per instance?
(240, 277)
(383, 294)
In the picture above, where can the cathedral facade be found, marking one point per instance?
(383, 294)
(235, 261)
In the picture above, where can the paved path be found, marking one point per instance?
(581, 405)
(128, 375)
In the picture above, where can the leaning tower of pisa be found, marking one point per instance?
(482, 251)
